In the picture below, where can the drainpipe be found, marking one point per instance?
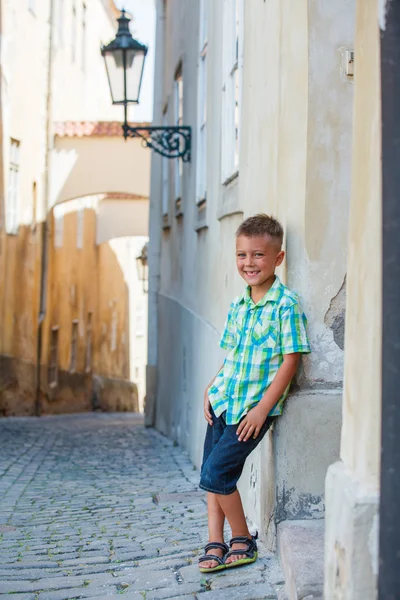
(389, 530)
(155, 230)
(45, 224)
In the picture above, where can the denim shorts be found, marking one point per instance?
(224, 456)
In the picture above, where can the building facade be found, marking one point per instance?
(69, 285)
(278, 122)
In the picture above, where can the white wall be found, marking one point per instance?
(294, 163)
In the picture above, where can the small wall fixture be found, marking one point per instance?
(124, 59)
(349, 63)
(143, 268)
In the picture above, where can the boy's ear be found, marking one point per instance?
(279, 258)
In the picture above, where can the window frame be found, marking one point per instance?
(13, 188)
(60, 22)
(140, 321)
(73, 362)
(74, 23)
(52, 373)
(84, 34)
(178, 121)
(58, 237)
(165, 197)
(89, 343)
(231, 100)
(201, 167)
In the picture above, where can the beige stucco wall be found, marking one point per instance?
(23, 96)
(121, 218)
(82, 94)
(76, 93)
(82, 166)
(295, 157)
(352, 485)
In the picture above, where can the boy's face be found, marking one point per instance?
(257, 258)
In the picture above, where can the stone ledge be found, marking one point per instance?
(301, 551)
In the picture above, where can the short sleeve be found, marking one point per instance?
(294, 331)
(228, 338)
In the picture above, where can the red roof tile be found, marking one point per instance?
(91, 128)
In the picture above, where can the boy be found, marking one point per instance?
(265, 333)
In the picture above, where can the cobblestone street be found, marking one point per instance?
(97, 506)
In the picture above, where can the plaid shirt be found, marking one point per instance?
(257, 336)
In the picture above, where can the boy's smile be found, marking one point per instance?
(256, 259)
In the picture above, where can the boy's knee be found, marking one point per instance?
(211, 480)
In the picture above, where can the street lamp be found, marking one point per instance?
(124, 59)
(143, 267)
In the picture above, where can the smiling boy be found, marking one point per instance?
(265, 334)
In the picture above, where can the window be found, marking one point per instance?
(140, 321)
(74, 346)
(60, 22)
(53, 366)
(58, 226)
(232, 65)
(114, 327)
(165, 175)
(178, 118)
(202, 107)
(34, 204)
(12, 206)
(83, 58)
(88, 354)
(73, 33)
(80, 222)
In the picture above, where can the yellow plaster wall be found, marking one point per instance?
(79, 281)
(360, 448)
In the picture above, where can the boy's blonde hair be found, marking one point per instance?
(260, 225)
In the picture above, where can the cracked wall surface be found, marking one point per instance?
(335, 315)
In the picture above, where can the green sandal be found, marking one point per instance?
(251, 551)
(220, 560)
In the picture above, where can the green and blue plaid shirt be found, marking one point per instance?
(257, 336)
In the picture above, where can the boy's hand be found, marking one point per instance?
(251, 425)
(207, 405)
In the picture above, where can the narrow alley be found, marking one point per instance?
(97, 506)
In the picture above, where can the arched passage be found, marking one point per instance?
(90, 158)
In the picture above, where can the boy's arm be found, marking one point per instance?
(255, 418)
(207, 413)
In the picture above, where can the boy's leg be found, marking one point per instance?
(216, 521)
(232, 508)
(216, 517)
(220, 473)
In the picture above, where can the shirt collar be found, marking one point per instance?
(273, 295)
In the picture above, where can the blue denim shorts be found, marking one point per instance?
(224, 456)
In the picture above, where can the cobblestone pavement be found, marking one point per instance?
(97, 506)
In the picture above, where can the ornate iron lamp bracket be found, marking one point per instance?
(170, 142)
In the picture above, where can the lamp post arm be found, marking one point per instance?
(170, 142)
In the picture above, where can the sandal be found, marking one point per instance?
(251, 552)
(220, 560)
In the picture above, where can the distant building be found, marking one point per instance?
(72, 308)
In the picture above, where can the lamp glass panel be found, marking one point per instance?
(134, 71)
(115, 70)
